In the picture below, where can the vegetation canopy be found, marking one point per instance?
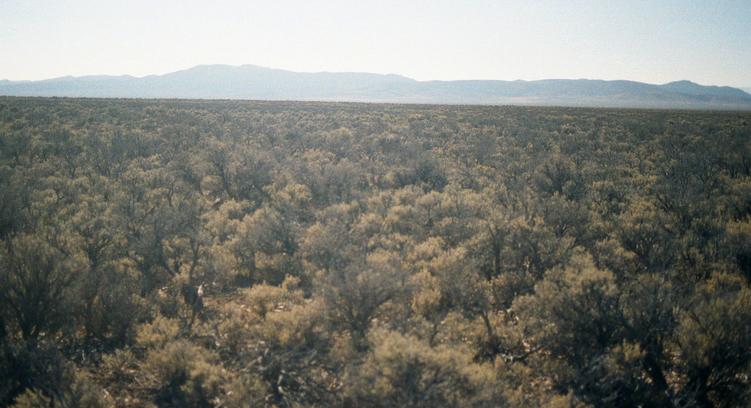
(303, 254)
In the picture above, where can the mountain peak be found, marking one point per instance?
(219, 81)
(692, 88)
(683, 82)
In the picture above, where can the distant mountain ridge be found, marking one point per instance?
(254, 82)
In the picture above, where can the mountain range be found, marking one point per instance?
(260, 83)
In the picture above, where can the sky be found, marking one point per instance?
(708, 42)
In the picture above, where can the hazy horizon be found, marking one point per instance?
(706, 43)
(93, 74)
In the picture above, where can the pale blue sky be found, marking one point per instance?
(652, 41)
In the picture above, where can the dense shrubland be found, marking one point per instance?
(198, 254)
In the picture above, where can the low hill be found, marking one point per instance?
(254, 82)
